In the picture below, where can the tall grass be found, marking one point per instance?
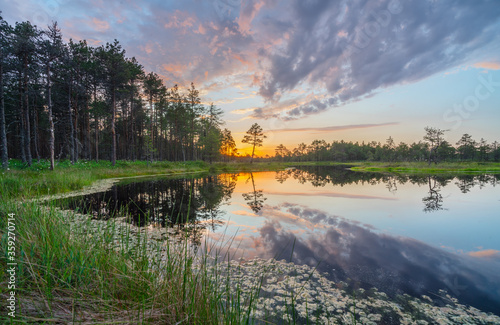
(95, 273)
(89, 274)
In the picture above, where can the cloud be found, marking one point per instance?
(296, 107)
(335, 128)
(100, 25)
(248, 11)
(180, 20)
(391, 264)
(487, 253)
(243, 213)
(354, 48)
(488, 65)
(342, 50)
(243, 110)
(330, 194)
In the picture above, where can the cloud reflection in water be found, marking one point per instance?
(368, 258)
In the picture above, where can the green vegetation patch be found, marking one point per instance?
(425, 168)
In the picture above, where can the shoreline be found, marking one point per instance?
(129, 244)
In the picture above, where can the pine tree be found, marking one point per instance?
(434, 137)
(114, 61)
(228, 145)
(5, 33)
(255, 137)
(51, 49)
(24, 50)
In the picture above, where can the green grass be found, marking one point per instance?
(37, 180)
(100, 276)
(425, 168)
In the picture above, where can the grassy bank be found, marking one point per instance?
(425, 168)
(101, 274)
(38, 180)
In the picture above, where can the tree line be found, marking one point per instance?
(433, 149)
(75, 101)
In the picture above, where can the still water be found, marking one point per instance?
(400, 234)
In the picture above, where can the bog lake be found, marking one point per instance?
(416, 235)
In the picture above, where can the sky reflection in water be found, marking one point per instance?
(401, 234)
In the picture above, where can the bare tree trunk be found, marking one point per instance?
(77, 143)
(126, 148)
(96, 120)
(183, 152)
(3, 132)
(51, 119)
(172, 147)
(132, 126)
(192, 137)
(152, 123)
(26, 117)
(113, 130)
(96, 138)
(35, 129)
(88, 146)
(160, 146)
(71, 126)
(253, 152)
(21, 122)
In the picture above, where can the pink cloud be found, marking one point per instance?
(174, 68)
(244, 213)
(488, 65)
(100, 25)
(201, 30)
(247, 14)
(148, 48)
(486, 253)
(180, 20)
(342, 33)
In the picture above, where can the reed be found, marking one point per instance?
(72, 269)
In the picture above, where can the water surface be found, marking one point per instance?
(401, 234)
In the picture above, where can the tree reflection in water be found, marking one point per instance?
(255, 199)
(320, 176)
(193, 205)
(188, 205)
(434, 201)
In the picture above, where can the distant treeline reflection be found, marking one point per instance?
(320, 176)
(194, 204)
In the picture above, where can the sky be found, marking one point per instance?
(309, 69)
